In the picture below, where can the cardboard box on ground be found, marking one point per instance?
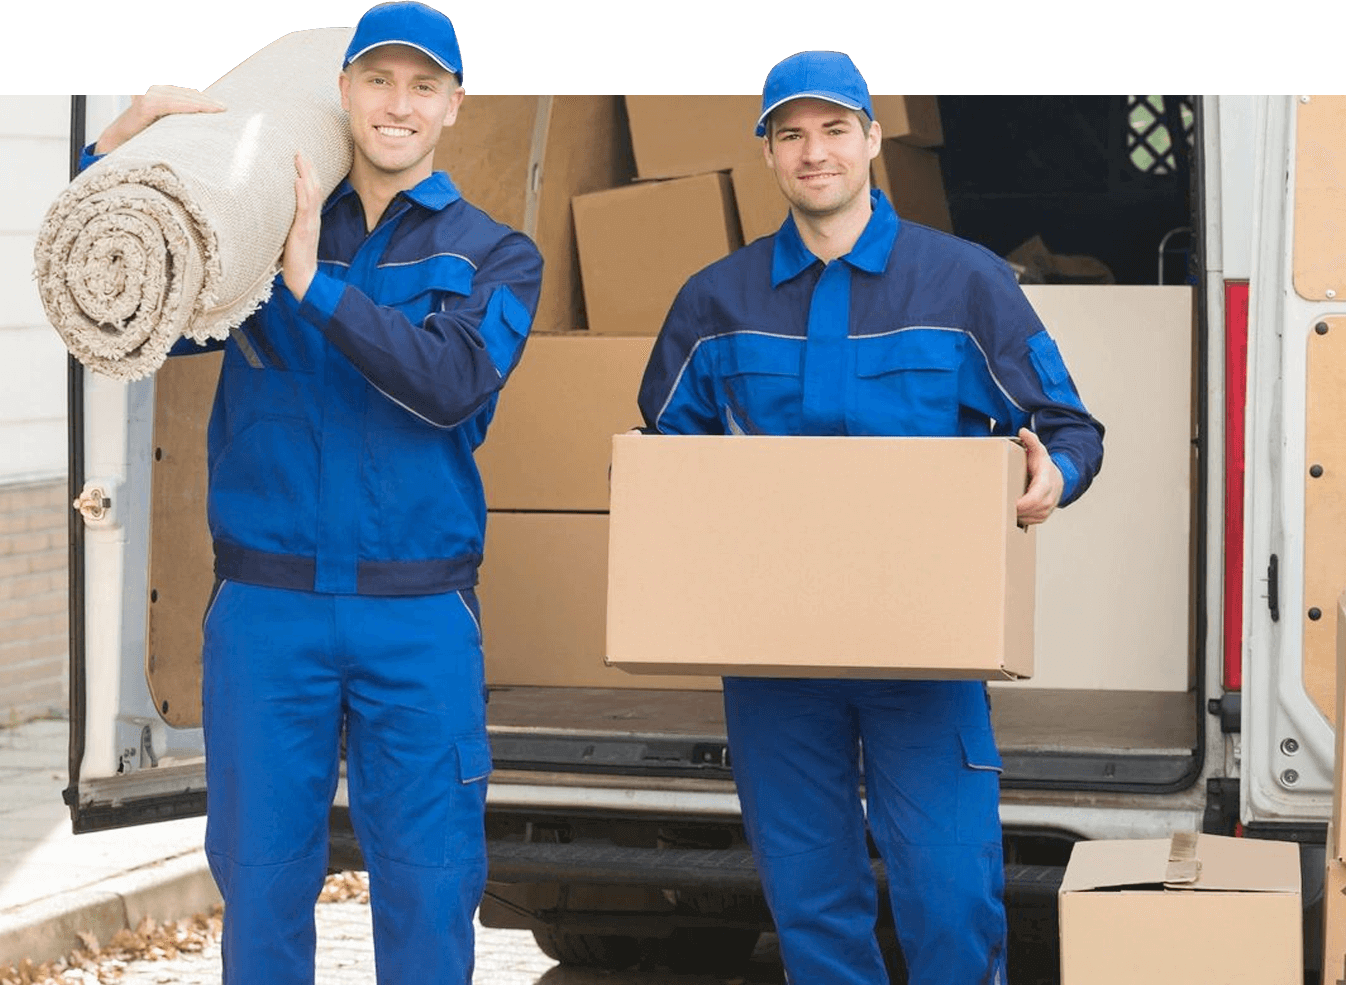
(1334, 891)
(1193, 908)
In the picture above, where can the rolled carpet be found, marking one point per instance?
(179, 231)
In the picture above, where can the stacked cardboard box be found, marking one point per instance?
(679, 136)
(639, 244)
(522, 159)
(912, 180)
(544, 464)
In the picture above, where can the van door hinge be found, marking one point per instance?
(1274, 588)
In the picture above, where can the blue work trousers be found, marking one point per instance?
(282, 671)
(931, 776)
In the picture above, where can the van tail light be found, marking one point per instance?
(1235, 404)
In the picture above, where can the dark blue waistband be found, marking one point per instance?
(425, 577)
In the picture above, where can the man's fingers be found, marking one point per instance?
(1044, 484)
(1032, 443)
(299, 260)
(154, 105)
(176, 99)
(307, 176)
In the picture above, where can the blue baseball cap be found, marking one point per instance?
(828, 75)
(412, 24)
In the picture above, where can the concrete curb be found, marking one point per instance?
(49, 928)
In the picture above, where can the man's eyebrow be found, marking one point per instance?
(380, 68)
(839, 121)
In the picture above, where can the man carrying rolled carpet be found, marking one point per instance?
(348, 520)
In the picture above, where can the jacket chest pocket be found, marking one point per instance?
(906, 384)
(761, 388)
(419, 288)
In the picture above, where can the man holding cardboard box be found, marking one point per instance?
(348, 520)
(851, 321)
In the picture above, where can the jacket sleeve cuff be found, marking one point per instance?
(87, 157)
(1069, 473)
(321, 299)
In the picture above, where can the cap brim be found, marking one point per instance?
(830, 97)
(406, 44)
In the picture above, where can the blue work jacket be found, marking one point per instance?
(913, 333)
(340, 445)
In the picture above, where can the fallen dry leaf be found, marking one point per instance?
(105, 964)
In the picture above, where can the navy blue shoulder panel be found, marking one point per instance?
(423, 233)
(934, 279)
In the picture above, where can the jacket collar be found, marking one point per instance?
(870, 253)
(434, 193)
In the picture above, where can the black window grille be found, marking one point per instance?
(1151, 124)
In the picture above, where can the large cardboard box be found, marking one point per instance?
(522, 159)
(639, 244)
(675, 136)
(543, 601)
(550, 442)
(1176, 911)
(912, 180)
(819, 557)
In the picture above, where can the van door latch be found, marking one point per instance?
(95, 503)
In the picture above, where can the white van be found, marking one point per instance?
(1186, 605)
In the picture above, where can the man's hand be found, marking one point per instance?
(1045, 483)
(155, 104)
(299, 262)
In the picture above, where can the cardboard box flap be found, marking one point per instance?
(1186, 861)
(1248, 864)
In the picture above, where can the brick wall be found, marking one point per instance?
(33, 600)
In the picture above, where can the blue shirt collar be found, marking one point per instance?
(870, 253)
(435, 192)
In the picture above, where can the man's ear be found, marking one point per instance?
(344, 84)
(455, 100)
(874, 138)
